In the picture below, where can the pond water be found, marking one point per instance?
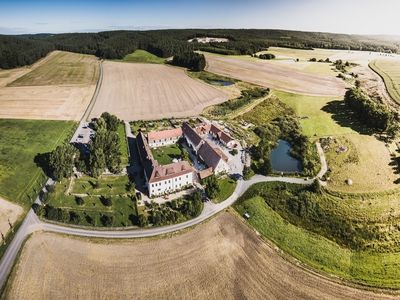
(221, 82)
(281, 161)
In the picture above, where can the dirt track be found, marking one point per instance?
(221, 259)
(152, 91)
(275, 75)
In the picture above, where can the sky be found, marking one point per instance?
(339, 16)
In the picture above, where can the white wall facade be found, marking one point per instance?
(170, 185)
(163, 142)
(222, 167)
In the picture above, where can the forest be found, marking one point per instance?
(23, 50)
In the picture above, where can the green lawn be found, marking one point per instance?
(389, 70)
(124, 145)
(374, 269)
(142, 56)
(165, 155)
(107, 185)
(316, 119)
(226, 188)
(20, 142)
(123, 209)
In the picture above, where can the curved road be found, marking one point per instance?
(32, 223)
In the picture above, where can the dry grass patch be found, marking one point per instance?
(221, 259)
(367, 162)
(58, 87)
(152, 91)
(9, 214)
(275, 74)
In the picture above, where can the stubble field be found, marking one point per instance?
(279, 75)
(58, 87)
(222, 259)
(152, 91)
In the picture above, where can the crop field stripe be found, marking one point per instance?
(392, 87)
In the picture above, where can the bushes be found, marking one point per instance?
(212, 187)
(267, 56)
(372, 113)
(246, 97)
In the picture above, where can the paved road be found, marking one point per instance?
(32, 222)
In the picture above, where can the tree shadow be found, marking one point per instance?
(344, 117)
(42, 161)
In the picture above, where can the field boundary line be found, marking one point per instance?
(95, 94)
(382, 74)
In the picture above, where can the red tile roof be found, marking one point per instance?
(164, 134)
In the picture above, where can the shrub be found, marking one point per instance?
(79, 200)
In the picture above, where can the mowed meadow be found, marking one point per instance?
(20, 143)
(58, 87)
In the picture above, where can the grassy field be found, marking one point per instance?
(265, 112)
(142, 56)
(374, 269)
(20, 142)
(316, 118)
(367, 161)
(389, 70)
(123, 209)
(105, 185)
(301, 54)
(124, 145)
(62, 68)
(226, 188)
(165, 155)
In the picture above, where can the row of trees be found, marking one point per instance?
(105, 146)
(372, 113)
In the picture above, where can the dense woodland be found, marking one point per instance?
(26, 49)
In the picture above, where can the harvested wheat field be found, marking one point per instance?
(9, 213)
(152, 91)
(277, 75)
(58, 87)
(220, 259)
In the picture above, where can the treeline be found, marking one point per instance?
(16, 52)
(21, 50)
(372, 113)
(194, 61)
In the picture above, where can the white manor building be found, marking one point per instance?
(163, 179)
(166, 179)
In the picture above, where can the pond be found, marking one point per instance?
(281, 161)
(221, 82)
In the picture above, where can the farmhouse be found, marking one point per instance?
(164, 137)
(162, 179)
(213, 157)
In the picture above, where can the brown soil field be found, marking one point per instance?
(58, 87)
(220, 259)
(9, 213)
(152, 91)
(275, 75)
